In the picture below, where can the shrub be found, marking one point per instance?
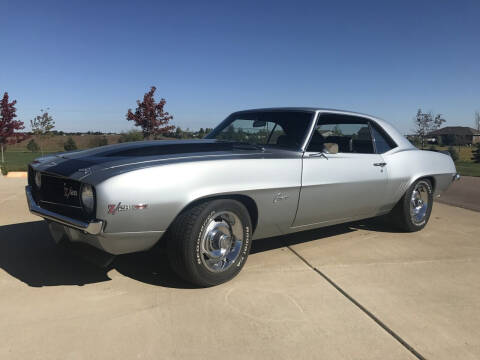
(129, 136)
(99, 141)
(33, 146)
(476, 153)
(70, 145)
(432, 148)
(3, 168)
(453, 153)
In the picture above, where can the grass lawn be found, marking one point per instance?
(19, 160)
(468, 168)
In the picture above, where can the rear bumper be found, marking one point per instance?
(93, 227)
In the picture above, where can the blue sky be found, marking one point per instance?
(89, 61)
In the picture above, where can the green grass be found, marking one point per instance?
(19, 160)
(468, 168)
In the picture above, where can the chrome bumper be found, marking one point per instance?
(94, 227)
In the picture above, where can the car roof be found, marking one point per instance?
(303, 108)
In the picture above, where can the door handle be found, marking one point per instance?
(382, 164)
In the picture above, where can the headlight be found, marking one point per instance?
(88, 198)
(38, 179)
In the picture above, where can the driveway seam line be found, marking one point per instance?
(361, 307)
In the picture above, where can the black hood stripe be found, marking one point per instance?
(69, 167)
(168, 149)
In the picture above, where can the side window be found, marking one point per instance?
(349, 133)
(383, 143)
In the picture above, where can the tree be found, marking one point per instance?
(150, 116)
(42, 124)
(476, 153)
(98, 141)
(477, 121)
(178, 132)
(426, 123)
(33, 146)
(453, 153)
(70, 145)
(9, 126)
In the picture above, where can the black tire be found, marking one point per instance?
(185, 237)
(401, 216)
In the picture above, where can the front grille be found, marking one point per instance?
(60, 191)
(59, 195)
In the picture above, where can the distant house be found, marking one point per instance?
(454, 135)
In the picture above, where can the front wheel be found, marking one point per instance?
(208, 243)
(413, 210)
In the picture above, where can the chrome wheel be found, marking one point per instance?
(221, 241)
(419, 202)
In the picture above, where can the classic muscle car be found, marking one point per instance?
(260, 173)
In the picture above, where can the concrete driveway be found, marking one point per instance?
(357, 291)
(464, 193)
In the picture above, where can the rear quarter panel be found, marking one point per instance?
(405, 167)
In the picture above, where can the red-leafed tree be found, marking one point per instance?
(9, 126)
(150, 116)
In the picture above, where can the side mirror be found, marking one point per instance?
(330, 148)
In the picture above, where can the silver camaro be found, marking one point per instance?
(260, 173)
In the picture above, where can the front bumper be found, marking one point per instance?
(92, 233)
(93, 227)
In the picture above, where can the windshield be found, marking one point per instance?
(287, 129)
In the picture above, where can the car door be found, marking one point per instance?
(349, 182)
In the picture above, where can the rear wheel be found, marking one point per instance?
(413, 210)
(209, 243)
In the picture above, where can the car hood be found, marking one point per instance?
(79, 164)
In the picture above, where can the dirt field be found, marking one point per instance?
(55, 143)
(355, 291)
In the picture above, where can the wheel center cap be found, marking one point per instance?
(225, 242)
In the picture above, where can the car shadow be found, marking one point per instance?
(28, 253)
(373, 224)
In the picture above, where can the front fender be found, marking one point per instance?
(168, 189)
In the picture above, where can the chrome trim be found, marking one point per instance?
(313, 124)
(94, 227)
(456, 177)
